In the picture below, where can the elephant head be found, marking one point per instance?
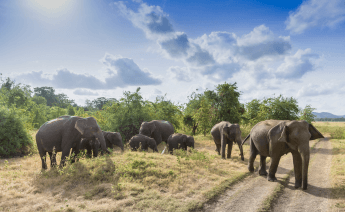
(147, 128)
(89, 128)
(296, 135)
(152, 144)
(233, 133)
(114, 138)
(189, 141)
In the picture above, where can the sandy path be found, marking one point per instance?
(316, 197)
(251, 192)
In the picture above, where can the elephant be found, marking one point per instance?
(145, 142)
(62, 134)
(91, 146)
(225, 133)
(179, 141)
(274, 138)
(159, 130)
(111, 138)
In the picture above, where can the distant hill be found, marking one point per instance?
(326, 115)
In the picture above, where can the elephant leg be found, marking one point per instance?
(253, 153)
(229, 149)
(75, 152)
(297, 163)
(223, 145)
(273, 168)
(52, 156)
(262, 168)
(43, 156)
(217, 146)
(64, 155)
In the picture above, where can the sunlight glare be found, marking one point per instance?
(51, 4)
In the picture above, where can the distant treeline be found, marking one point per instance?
(331, 119)
(25, 109)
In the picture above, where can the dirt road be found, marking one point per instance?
(254, 192)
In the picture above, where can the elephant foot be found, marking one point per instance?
(298, 183)
(242, 158)
(263, 172)
(251, 168)
(223, 158)
(229, 156)
(271, 178)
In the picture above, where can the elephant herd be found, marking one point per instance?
(71, 132)
(270, 138)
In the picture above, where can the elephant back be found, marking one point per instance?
(165, 128)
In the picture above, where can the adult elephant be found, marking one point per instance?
(159, 130)
(180, 141)
(63, 133)
(111, 139)
(274, 138)
(225, 133)
(144, 141)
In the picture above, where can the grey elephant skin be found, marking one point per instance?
(224, 133)
(91, 145)
(63, 133)
(274, 138)
(159, 130)
(144, 141)
(180, 141)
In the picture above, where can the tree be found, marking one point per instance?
(204, 116)
(278, 108)
(48, 93)
(307, 114)
(227, 103)
(166, 110)
(70, 110)
(252, 111)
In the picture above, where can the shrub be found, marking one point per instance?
(14, 138)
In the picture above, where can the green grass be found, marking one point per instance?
(338, 173)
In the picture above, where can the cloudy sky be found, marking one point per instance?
(89, 49)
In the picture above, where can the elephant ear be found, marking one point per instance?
(81, 125)
(226, 131)
(280, 133)
(315, 134)
(153, 128)
(108, 136)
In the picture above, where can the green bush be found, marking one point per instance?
(14, 138)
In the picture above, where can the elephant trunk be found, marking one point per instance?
(101, 140)
(239, 143)
(305, 154)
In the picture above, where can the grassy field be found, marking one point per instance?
(129, 181)
(137, 181)
(336, 131)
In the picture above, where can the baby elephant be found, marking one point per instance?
(145, 142)
(180, 141)
(91, 145)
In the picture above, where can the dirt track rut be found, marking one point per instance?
(250, 193)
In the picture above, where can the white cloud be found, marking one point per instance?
(85, 92)
(127, 73)
(315, 13)
(180, 74)
(295, 66)
(318, 89)
(122, 72)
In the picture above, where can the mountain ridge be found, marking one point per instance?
(327, 115)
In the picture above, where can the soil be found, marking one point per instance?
(252, 193)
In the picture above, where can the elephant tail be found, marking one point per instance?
(245, 139)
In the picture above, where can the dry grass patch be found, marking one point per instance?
(132, 181)
(338, 173)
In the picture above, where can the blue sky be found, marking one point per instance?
(89, 49)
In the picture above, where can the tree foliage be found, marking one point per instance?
(307, 114)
